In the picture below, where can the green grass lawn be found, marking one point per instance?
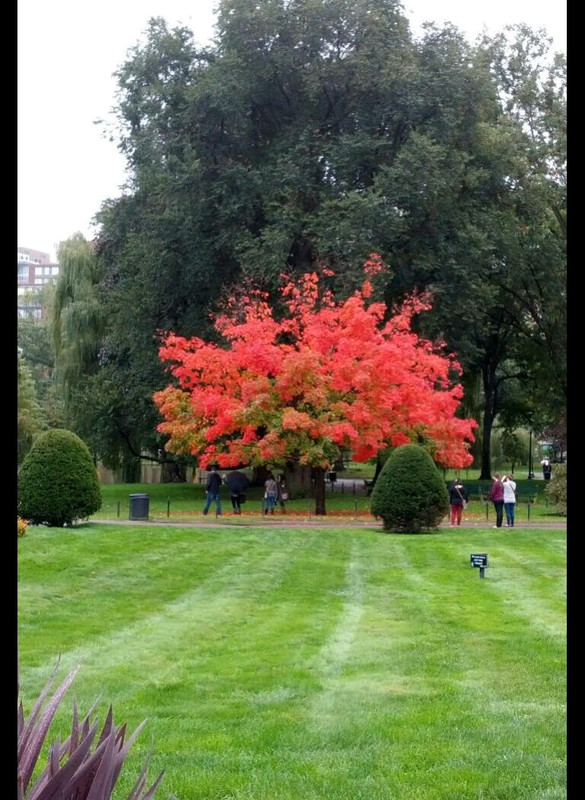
(307, 663)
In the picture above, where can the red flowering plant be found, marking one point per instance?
(328, 376)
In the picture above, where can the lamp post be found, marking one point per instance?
(530, 465)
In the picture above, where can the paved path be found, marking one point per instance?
(312, 522)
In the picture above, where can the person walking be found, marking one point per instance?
(282, 493)
(270, 492)
(458, 500)
(509, 499)
(546, 469)
(497, 498)
(213, 485)
(237, 484)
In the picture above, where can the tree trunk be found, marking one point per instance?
(490, 391)
(131, 468)
(259, 475)
(299, 480)
(172, 472)
(318, 477)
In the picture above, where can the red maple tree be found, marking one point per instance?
(329, 376)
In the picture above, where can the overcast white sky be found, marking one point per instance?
(67, 53)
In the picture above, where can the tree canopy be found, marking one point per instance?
(327, 376)
(318, 132)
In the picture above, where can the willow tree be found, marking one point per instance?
(77, 317)
(77, 322)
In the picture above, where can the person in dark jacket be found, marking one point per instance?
(457, 500)
(497, 498)
(213, 485)
(237, 483)
(282, 495)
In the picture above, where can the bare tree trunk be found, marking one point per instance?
(299, 479)
(318, 476)
(490, 391)
(130, 469)
(172, 472)
(259, 475)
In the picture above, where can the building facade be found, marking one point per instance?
(35, 271)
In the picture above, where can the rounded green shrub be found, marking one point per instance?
(410, 495)
(58, 482)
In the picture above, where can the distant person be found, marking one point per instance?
(282, 493)
(237, 484)
(270, 493)
(546, 469)
(509, 499)
(212, 486)
(497, 498)
(458, 500)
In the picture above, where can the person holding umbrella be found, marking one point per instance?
(237, 484)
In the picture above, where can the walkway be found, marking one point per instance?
(313, 522)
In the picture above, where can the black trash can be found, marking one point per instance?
(332, 476)
(139, 506)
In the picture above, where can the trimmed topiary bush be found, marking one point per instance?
(58, 482)
(410, 495)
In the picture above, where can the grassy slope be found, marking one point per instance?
(332, 664)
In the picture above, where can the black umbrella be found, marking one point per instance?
(237, 482)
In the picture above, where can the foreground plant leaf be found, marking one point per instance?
(84, 775)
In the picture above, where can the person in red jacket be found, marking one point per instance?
(457, 501)
(497, 498)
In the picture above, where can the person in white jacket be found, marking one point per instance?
(509, 499)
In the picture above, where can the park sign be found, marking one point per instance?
(479, 560)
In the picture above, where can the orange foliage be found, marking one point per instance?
(328, 376)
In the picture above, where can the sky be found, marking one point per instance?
(67, 54)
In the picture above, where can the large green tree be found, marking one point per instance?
(104, 399)
(320, 131)
(487, 231)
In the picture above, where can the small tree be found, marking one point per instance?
(58, 482)
(329, 376)
(410, 494)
